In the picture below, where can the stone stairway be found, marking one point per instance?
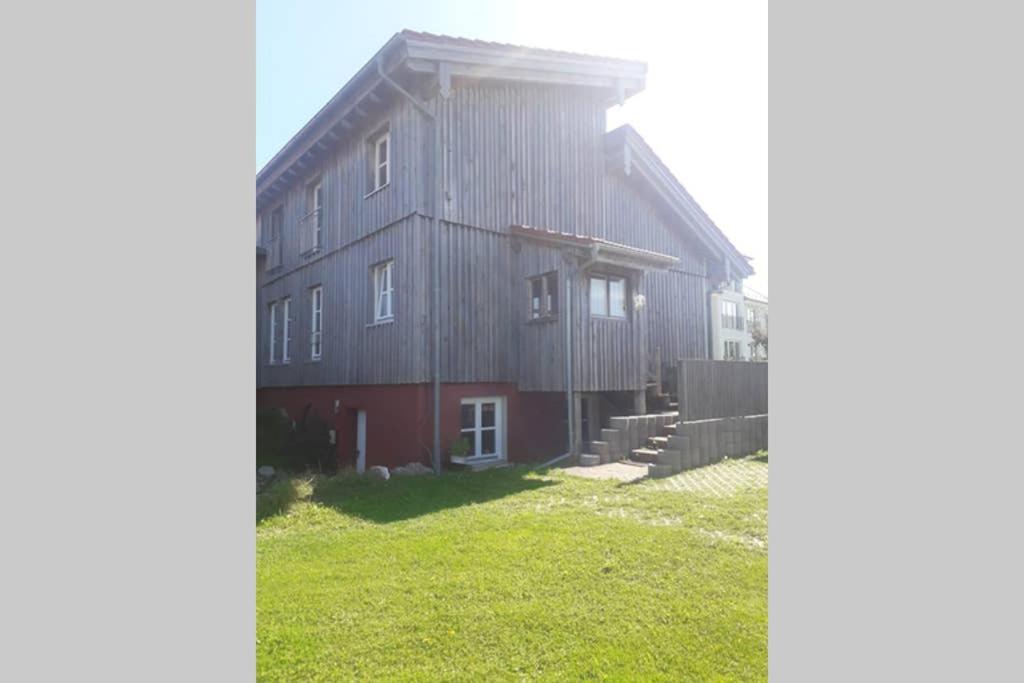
(666, 446)
(629, 439)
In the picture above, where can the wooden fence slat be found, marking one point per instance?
(719, 388)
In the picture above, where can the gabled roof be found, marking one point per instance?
(421, 61)
(754, 295)
(626, 146)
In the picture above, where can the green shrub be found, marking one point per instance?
(460, 447)
(279, 497)
(272, 429)
(296, 447)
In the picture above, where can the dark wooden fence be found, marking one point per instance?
(721, 388)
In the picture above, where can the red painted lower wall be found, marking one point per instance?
(399, 418)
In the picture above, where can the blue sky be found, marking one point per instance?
(703, 110)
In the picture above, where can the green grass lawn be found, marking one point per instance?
(512, 574)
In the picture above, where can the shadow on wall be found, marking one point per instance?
(407, 497)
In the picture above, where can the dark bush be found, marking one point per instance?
(297, 447)
(309, 445)
(273, 427)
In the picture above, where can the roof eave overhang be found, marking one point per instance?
(596, 250)
(620, 79)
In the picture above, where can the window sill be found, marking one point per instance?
(542, 320)
(610, 318)
(381, 322)
(474, 459)
(373, 192)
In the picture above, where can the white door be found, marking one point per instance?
(361, 441)
(483, 425)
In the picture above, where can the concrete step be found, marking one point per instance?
(658, 442)
(655, 471)
(599, 448)
(644, 455)
(614, 439)
(673, 459)
(589, 459)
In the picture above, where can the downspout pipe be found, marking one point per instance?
(435, 260)
(569, 389)
(570, 403)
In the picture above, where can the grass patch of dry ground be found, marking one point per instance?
(517, 575)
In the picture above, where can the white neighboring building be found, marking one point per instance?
(757, 320)
(730, 339)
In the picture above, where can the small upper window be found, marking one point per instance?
(315, 214)
(381, 167)
(273, 237)
(383, 291)
(608, 296)
(544, 296)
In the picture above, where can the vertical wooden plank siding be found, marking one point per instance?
(512, 154)
(720, 388)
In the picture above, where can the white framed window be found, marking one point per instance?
(608, 296)
(381, 161)
(273, 332)
(731, 350)
(316, 323)
(286, 329)
(383, 291)
(482, 423)
(544, 296)
(275, 226)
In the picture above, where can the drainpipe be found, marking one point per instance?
(435, 261)
(570, 404)
(570, 400)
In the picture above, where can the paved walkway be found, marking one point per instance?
(722, 479)
(612, 470)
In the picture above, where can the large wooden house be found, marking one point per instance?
(455, 246)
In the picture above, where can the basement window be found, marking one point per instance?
(544, 296)
(607, 296)
(482, 423)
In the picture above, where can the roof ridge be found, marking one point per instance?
(409, 33)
